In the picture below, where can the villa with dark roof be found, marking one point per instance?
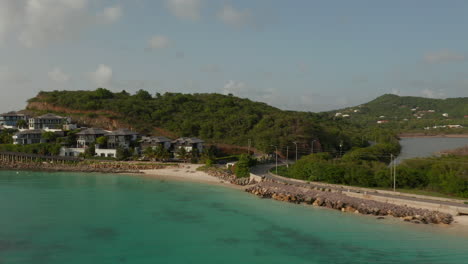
(154, 142)
(48, 122)
(10, 119)
(189, 143)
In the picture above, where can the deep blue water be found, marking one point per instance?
(93, 218)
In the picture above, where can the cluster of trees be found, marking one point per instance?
(447, 175)
(6, 136)
(214, 117)
(368, 167)
(51, 149)
(242, 167)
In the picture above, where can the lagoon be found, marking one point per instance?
(418, 147)
(96, 218)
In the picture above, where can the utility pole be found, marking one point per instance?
(295, 143)
(287, 157)
(248, 149)
(393, 171)
(276, 158)
(394, 176)
(312, 146)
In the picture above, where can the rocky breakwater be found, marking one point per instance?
(103, 167)
(229, 177)
(336, 200)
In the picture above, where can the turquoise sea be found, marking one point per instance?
(95, 218)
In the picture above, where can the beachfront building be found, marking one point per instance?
(27, 137)
(123, 138)
(10, 119)
(154, 142)
(189, 144)
(48, 122)
(88, 137)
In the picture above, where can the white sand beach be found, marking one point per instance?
(188, 172)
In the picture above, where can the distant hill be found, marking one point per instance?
(408, 112)
(216, 118)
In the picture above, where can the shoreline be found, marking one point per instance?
(189, 173)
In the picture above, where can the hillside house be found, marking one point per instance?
(10, 119)
(48, 122)
(27, 137)
(121, 138)
(445, 114)
(88, 137)
(382, 121)
(188, 143)
(154, 142)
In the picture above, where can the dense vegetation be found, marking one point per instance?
(41, 149)
(215, 118)
(368, 167)
(402, 113)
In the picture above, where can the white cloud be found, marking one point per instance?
(52, 20)
(233, 17)
(443, 56)
(185, 9)
(237, 88)
(57, 75)
(111, 14)
(432, 94)
(396, 92)
(159, 42)
(102, 76)
(38, 22)
(9, 12)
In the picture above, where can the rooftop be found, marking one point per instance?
(13, 113)
(50, 116)
(188, 140)
(155, 139)
(93, 131)
(122, 132)
(32, 131)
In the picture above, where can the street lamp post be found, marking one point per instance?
(341, 147)
(312, 145)
(295, 143)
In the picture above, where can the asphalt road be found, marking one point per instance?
(263, 170)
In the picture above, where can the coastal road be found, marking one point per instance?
(263, 170)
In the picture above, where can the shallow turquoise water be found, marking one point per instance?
(93, 218)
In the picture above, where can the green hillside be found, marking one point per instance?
(409, 113)
(215, 118)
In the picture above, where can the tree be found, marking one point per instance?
(49, 136)
(90, 151)
(101, 141)
(182, 154)
(103, 93)
(122, 153)
(242, 168)
(143, 95)
(161, 153)
(22, 124)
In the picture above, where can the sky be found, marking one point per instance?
(296, 55)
